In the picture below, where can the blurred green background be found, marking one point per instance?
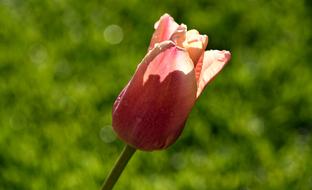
(63, 62)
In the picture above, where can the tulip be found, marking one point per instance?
(151, 111)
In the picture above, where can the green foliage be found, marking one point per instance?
(251, 128)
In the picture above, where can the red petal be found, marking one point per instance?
(153, 108)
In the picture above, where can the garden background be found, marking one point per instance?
(63, 62)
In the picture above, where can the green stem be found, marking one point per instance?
(119, 166)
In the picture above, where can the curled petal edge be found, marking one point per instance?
(209, 66)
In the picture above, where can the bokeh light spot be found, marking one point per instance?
(113, 34)
(38, 54)
(107, 135)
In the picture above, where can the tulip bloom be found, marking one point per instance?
(151, 111)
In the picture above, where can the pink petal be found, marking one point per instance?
(196, 45)
(151, 111)
(150, 56)
(164, 28)
(209, 66)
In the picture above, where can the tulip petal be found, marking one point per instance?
(209, 66)
(153, 108)
(150, 56)
(196, 44)
(164, 28)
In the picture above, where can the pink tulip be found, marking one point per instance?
(151, 111)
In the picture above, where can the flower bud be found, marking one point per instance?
(151, 111)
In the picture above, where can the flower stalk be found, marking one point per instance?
(118, 168)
